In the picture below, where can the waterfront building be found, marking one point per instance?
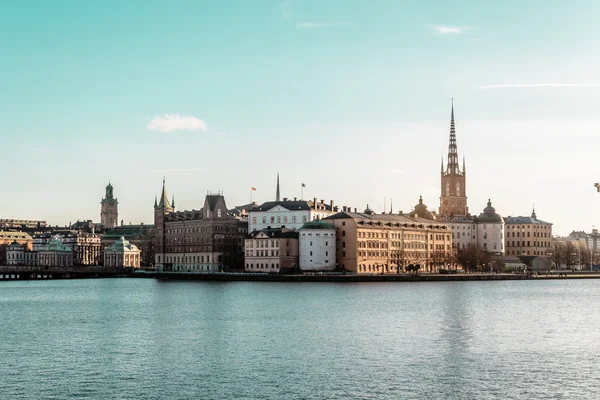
(270, 250)
(9, 237)
(527, 236)
(387, 243)
(206, 240)
(490, 230)
(21, 224)
(141, 235)
(18, 254)
(86, 246)
(109, 209)
(317, 241)
(123, 254)
(55, 254)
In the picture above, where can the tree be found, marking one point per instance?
(472, 256)
(569, 254)
(438, 258)
(399, 257)
(586, 257)
(556, 253)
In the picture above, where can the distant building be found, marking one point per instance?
(8, 238)
(109, 209)
(368, 243)
(207, 240)
(86, 246)
(18, 254)
(527, 236)
(271, 250)
(141, 235)
(490, 230)
(122, 254)
(317, 241)
(21, 223)
(55, 254)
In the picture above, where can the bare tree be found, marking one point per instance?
(556, 253)
(399, 258)
(472, 256)
(569, 254)
(586, 257)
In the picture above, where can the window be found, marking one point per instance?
(264, 219)
(279, 219)
(311, 253)
(343, 233)
(285, 219)
(272, 219)
(293, 219)
(304, 218)
(219, 213)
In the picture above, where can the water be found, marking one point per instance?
(143, 339)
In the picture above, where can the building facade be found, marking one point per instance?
(8, 238)
(55, 254)
(368, 243)
(289, 214)
(21, 223)
(271, 250)
(86, 247)
(109, 209)
(204, 240)
(122, 254)
(17, 254)
(527, 236)
(317, 241)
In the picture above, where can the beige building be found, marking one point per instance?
(527, 236)
(270, 250)
(8, 238)
(387, 243)
(122, 254)
(109, 209)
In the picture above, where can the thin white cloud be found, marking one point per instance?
(313, 25)
(177, 170)
(534, 85)
(173, 122)
(451, 30)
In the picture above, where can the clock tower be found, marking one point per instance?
(453, 201)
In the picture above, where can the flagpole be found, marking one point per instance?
(251, 195)
(301, 191)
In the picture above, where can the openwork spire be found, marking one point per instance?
(277, 194)
(452, 168)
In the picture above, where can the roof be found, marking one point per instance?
(525, 220)
(292, 205)
(276, 233)
(14, 235)
(56, 245)
(388, 219)
(317, 225)
(489, 215)
(212, 200)
(121, 245)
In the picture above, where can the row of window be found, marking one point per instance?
(187, 259)
(522, 244)
(535, 234)
(279, 219)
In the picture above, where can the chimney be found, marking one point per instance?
(344, 208)
(354, 209)
(315, 202)
(285, 199)
(295, 198)
(331, 204)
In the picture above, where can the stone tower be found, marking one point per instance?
(453, 201)
(161, 209)
(109, 209)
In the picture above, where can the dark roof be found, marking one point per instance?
(213, 200)
(388, 219)
(525, 220)
(290, 205)
(277, 233)
(489, 215)
(317, 225)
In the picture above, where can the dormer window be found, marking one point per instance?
(219, 213)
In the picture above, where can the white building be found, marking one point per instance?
(55, 254)
(490, 230)
(290, 214)
(122, 254)
(317, 246)
(17, 254)
(487, 230)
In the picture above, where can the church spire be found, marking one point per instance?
(164, 199)
(452, 167)
(277, 194)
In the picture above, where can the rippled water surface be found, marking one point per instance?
(144, 339)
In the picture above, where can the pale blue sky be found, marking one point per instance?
(350, 97)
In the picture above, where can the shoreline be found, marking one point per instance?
(53, 274)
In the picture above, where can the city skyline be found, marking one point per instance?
(352, 101)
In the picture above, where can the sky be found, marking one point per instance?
(350, 97)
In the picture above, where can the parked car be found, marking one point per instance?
(460, 271)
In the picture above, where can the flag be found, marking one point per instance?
(303, 185)
(253, 189)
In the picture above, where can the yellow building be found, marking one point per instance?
(527, 236)
(369, 243)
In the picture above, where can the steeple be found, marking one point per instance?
(533, 215)
(173, 201)
(277, 194)
(164, 199)
(464, 166)
(155, 202)
(442, 164)
(452, 167)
